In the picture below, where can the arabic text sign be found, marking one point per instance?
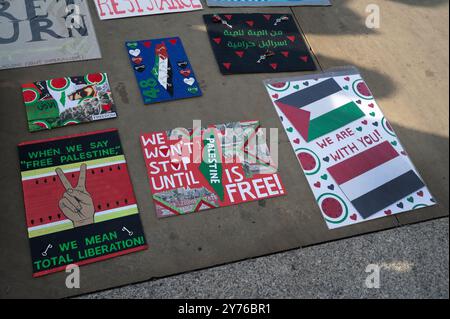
(200, 169)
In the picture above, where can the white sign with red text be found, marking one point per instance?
(114, 9)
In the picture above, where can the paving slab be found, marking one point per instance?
(222, 235)
(413, 263)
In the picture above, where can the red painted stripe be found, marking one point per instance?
(90, 261)
(110, 189)
(67, 136)
(363, 162)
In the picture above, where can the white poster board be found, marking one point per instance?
(35, 32)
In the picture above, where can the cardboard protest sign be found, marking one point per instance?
(68, 101)
(266, 3)
(79, 201)
(222, 165)
(257, 43)
(162, 70)
(354, 162)
(113, 9)
(35, 32)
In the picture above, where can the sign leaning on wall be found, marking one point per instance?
(355, 165)
(79, 201)
(35, 32)
(114, 9)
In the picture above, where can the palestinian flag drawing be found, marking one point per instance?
(216, 166)
(375, 178)
(163, 69)
(319, 109)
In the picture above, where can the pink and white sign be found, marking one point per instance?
(114, 9)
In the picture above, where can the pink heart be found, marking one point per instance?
(388, 212)
(347, 78)
(371, 105)
(317, 184)
(364, 122)
(354, 217)
(275, 96)
(297, 141)
(420, 193)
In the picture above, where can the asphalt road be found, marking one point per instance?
(413, 260)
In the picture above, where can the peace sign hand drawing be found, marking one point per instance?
(76, 203)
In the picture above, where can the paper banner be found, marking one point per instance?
(254, 43)
(354, 162)
(162, 70)
(79, 201)
(200, 169)
(68, 101)
(113, 9)
(266, 3)
(44, 32)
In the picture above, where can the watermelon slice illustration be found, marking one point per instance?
(59, 84)
(333, 207)
(30, 95)
(71, 122)
(387, 127)
(362, 90)
(95, 78)
(309, 161)
(43, 125)
(279, 86)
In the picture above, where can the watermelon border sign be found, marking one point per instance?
(359, 160)
(68, 101)
(205, 168)
(79, 201)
